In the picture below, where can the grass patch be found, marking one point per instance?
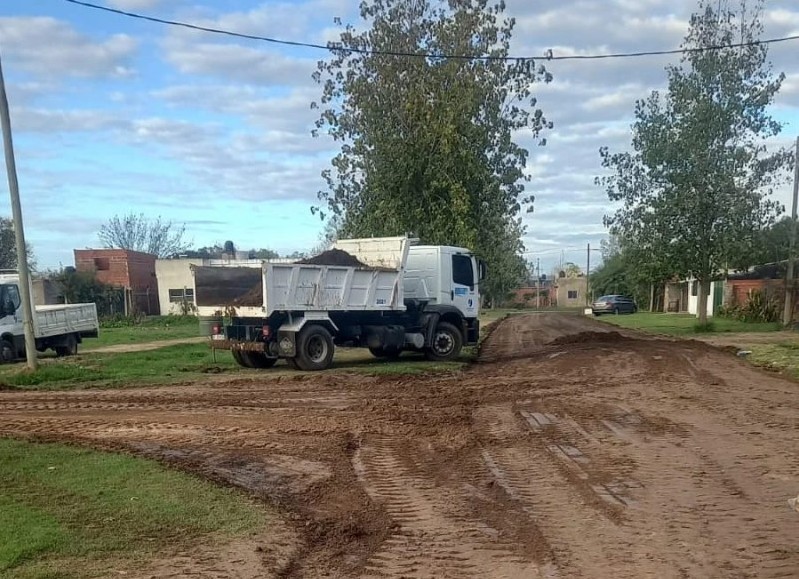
(151, 329)
(66, 508)
(186, 362)
(163, 365)
(780, 357)
(682, 324)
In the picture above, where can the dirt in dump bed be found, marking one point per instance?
(589, 451)
(334, 257)
(253, 298)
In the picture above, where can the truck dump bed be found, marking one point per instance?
(373, 285)
(66, 319)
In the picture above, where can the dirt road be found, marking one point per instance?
(570, 451)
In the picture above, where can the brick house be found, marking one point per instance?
(132, 271)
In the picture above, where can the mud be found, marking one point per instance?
(571, 450)
(334, 257)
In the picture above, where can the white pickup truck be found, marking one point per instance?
(60, 328)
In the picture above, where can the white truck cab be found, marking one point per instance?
(445, 276)
(60, 328)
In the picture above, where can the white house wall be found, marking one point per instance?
(693, 300)
(173, 274)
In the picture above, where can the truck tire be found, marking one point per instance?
(314, 348)
(240, 359)
(447, 343)
(258, 360)
(68, 348)
(7, 352)
(386, 353)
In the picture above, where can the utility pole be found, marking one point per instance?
(587, 279)
(19, 233)
(538, 283)
(787, 315)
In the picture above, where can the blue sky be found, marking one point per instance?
(113, 115)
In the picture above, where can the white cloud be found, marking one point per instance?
(53, 48)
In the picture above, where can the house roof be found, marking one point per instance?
(766, 271)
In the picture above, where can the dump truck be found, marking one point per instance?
(386, 294)
(59, 327)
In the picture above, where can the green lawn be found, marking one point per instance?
(683, 324)
(185, 362)
(70, 512)
(782, 357)
(151, 329)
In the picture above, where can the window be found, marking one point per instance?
(177, 296)
(462, 271)
(102, 264)
(9, 299)
(572, 294)
(695, 288)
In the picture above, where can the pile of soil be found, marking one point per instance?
(334, 257)
(252, 299)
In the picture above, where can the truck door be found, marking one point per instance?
(464, 285)
(10, 316)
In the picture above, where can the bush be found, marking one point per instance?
(706, 328)
(760, 306)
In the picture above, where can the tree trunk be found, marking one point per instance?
(704, 292)
(652, 297)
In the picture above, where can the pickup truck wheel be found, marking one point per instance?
(258, 360)
(314, 348)
(386, 353)
(237, 356)
(7, 352)
(68, 348)
(447, 343)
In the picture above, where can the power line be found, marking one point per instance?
(548, 56)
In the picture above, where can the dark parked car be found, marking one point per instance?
(614, 305)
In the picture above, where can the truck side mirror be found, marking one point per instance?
(482, 270)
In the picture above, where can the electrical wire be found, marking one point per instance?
(548, 56)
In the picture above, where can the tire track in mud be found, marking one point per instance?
(582, 454)
(432, 538)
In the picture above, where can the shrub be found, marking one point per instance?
(760, 306)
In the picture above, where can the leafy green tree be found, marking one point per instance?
(263, 254)
(427, 142)
(8, 246)
(695, 188)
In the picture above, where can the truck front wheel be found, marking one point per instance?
(447, 343)
(314, 348)
(7, 352)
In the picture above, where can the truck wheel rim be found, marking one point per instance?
(317, 348)
(443, 344)
(6, 354)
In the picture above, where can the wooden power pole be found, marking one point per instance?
(19, 232)
(790, 278)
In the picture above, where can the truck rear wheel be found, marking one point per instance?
(258, 360)
(386, 353)
(447, 343)
(69, 347)
(314, 348)
(7, 352)
(240, 359)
